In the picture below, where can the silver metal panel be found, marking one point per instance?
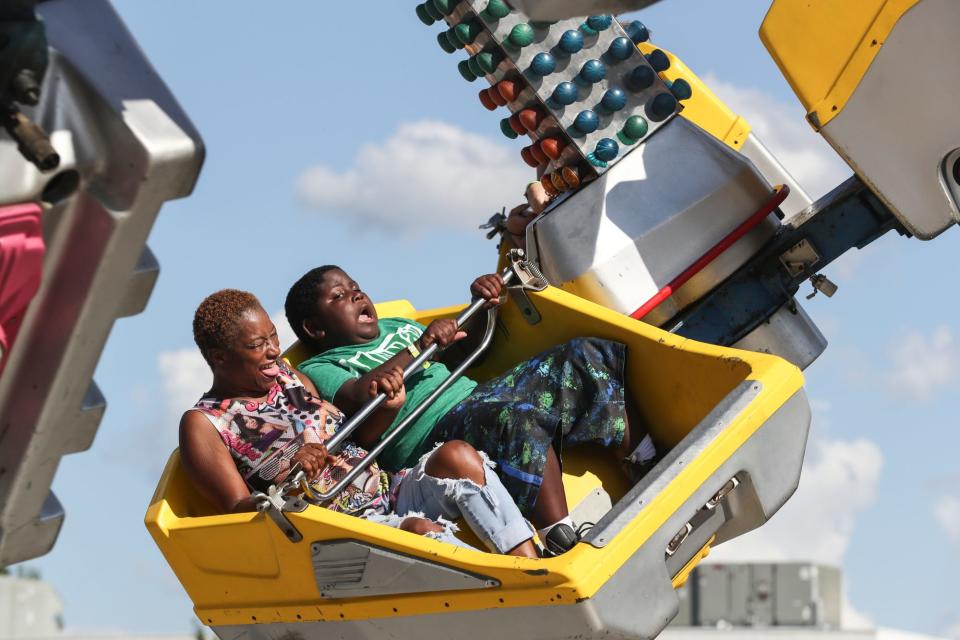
(684, 617)
(797, 600)
(78, 435)
(775, 173)
(621, 238)
(830, 588)
(131, 148)
(760, 602)
(789, 333)
(351, 569)
(900, 123)
(142, 280)
(29, 608)
(677, 459)
(713, 589)
(554, 9)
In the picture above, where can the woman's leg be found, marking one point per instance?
(455, 480)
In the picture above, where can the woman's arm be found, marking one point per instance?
(209, 466)
(213, 473)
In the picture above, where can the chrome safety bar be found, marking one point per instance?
(320, 499)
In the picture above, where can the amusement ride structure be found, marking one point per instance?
(698, 280)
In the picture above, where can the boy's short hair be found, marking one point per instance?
(215, 321)
(301, 300)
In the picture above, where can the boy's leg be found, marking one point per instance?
(520, 438)
(570, 394)
(455, 480)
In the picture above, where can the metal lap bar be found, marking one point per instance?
(313, 497)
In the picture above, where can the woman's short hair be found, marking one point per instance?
(215, 322)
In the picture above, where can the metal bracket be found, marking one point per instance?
(822, 284)
(275, 504)
(497, 224)
(702, 516)
(529, 278)
(800, 258)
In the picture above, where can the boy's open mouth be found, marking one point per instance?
(366, 315)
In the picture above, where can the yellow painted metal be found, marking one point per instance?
(240, 569)
(824, 47)
(681, 578)
(704, 108)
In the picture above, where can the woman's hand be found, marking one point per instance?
(488, 287)
(444, 332)
(312, 458)
(325, 408)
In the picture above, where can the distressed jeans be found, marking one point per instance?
(488, 510)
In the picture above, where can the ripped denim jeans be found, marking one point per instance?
(448, 534)
(488, 510)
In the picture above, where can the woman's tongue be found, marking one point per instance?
(272, 371)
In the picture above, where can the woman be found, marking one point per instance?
(229, 442)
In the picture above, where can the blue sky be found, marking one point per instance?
(334, 136)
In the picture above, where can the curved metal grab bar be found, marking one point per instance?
(313, 497)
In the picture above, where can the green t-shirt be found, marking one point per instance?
(330, 369)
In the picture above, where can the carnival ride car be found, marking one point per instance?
(710, 269)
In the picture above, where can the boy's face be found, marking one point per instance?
(344, 314)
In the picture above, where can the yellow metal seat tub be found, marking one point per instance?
(736, 421)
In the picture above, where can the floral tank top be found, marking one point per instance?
(263, 437)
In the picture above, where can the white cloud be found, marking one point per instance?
(921, 365)
(952, 631)
(427, 173)
(851, 618)
(814, 529)
(284, 332)
(947, 513)
(784, 130)
(185, 376)
(810, 527)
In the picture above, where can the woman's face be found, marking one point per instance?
(248, 366)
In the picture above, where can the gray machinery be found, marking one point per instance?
(119, 146)
(123, 148)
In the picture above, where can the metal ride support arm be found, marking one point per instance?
(849, 216)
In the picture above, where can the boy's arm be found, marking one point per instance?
(354, 393)
(390, 382)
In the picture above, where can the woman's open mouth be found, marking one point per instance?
(270, 370)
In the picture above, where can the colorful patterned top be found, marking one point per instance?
(262, 437)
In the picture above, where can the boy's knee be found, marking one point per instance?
(420, 526)
(456, 459)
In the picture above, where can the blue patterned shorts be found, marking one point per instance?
(571, 394)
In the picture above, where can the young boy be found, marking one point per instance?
(571, 394)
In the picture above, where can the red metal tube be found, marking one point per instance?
(780, 194)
